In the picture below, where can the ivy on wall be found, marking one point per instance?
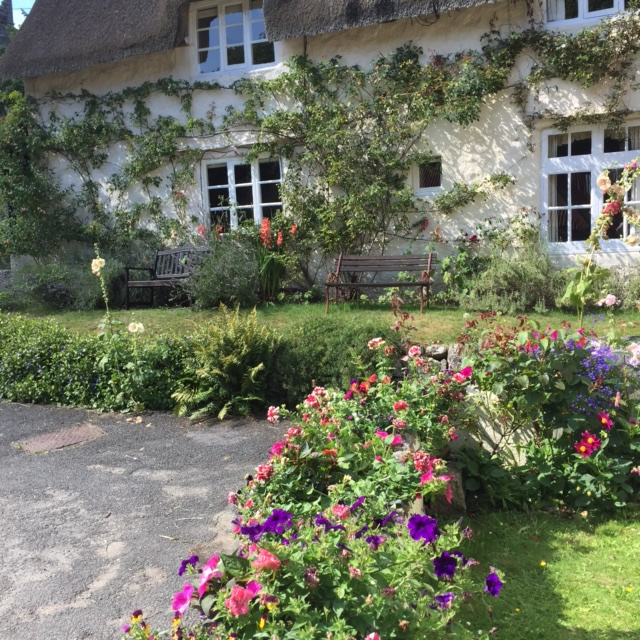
(350, 136)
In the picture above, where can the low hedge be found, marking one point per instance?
(43, 363)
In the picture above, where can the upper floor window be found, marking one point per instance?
(232, 36)
(571, 164)
(559, 10)
(238, 192)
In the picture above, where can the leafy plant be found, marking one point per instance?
(230, 366)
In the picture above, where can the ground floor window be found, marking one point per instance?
(240, 191)
(571, 163)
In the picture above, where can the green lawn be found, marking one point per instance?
(432, 325)
(588, 590)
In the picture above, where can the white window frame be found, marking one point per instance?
(220, 5)
(256, 183)
(584, 16)
(595, 163)
(426, 191)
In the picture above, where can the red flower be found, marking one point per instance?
(401, 405)
(604, 420)
(294, 228)
(279, 239)
(265, 233)
(588, 445)
(202, 231)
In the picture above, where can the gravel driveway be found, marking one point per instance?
(91, 531)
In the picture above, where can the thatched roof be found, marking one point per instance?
(65, 35)
(288, 19)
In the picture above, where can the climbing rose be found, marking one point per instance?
(182, 599)
(266, 561)
(238, 603)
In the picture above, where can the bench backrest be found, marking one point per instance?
(370, 264)
(177, 263)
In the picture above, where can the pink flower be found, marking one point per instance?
(401, 405)
(611, 209)
(604, 420)
(399, 424)
(459, 378)
(617, 399)
(414, 351)
(356, 573)
(266, 561)
(238, 602)
(467, 372)
(372, 636)
(209, 571)
(232, 498)
(182, 599)
(264, 472)
(341, 511)
(636, 470)
(609, 300)
(396, 439)
(375, 343)
(278, 448)
(554, 335)
(273, 415)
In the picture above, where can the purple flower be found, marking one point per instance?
(348, 395)
(392, 517)
(321, 521)
(445, 565)
(444, 601)
(375, 542)
(360, 532)
(126, 628)
(277, 522)
(357, 504)
(192, 560)
(463, 560)
(493, 584)
(253, 531)
(423, 528)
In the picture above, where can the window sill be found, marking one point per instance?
(223, 77)
(579, 23)
(428, 193)
(607, 246)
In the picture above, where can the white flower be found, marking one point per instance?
(603, 182)
(96, 265)
(375, 343)
(136, 327)
(610, 300)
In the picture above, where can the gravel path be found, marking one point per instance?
(92, 531)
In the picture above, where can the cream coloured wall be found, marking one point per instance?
(501, 141)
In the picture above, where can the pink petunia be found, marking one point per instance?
(238, 602)
(372, 636)
(182, 599)
(414, 351)
(209, 571)
(278, 448)
(273, 415)
(466, 373)
(397, 440)
(341, 511)
(266, 561)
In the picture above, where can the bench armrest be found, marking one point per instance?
(128, 269)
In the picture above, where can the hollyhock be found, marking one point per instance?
(423, 528)
(493, 584)
(611, 209)
(605, 421)
(604, 182)
(209, 571)
(273, 415)
(182, 599)
(444, 566)
(266, 561)
(466, 373)
(401, 405)
(341, 511)
(238, 602)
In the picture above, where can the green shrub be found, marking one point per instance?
(513, 284)
(324, 351)
(230, 369)
(63, 286)
(41, 362)
(228, 275)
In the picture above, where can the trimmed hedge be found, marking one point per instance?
(43, 363)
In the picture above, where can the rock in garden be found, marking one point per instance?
(455, 355)
(436, 351)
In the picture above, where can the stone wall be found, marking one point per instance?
(5, 279)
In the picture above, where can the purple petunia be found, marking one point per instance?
(423, 528)
(493, 584)
(252, 531)
(191, 561)
(444, 601)
(445, 565)
(388, 519)
(278, 522)
(374, 542)
(357, 504)
(463, 560)
(321, 521)
(360, 532)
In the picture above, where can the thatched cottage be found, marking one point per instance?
(69, 46)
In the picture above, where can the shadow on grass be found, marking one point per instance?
(580, 592)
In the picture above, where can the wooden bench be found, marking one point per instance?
(382, 264)
(170, 267)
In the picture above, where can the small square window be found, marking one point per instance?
(581, 143)
(430, 175)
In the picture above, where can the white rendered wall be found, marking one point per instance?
(500, 141)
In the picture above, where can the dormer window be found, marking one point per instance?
(232, 36)
(578, 10)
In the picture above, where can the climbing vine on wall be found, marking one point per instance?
(349, 135)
